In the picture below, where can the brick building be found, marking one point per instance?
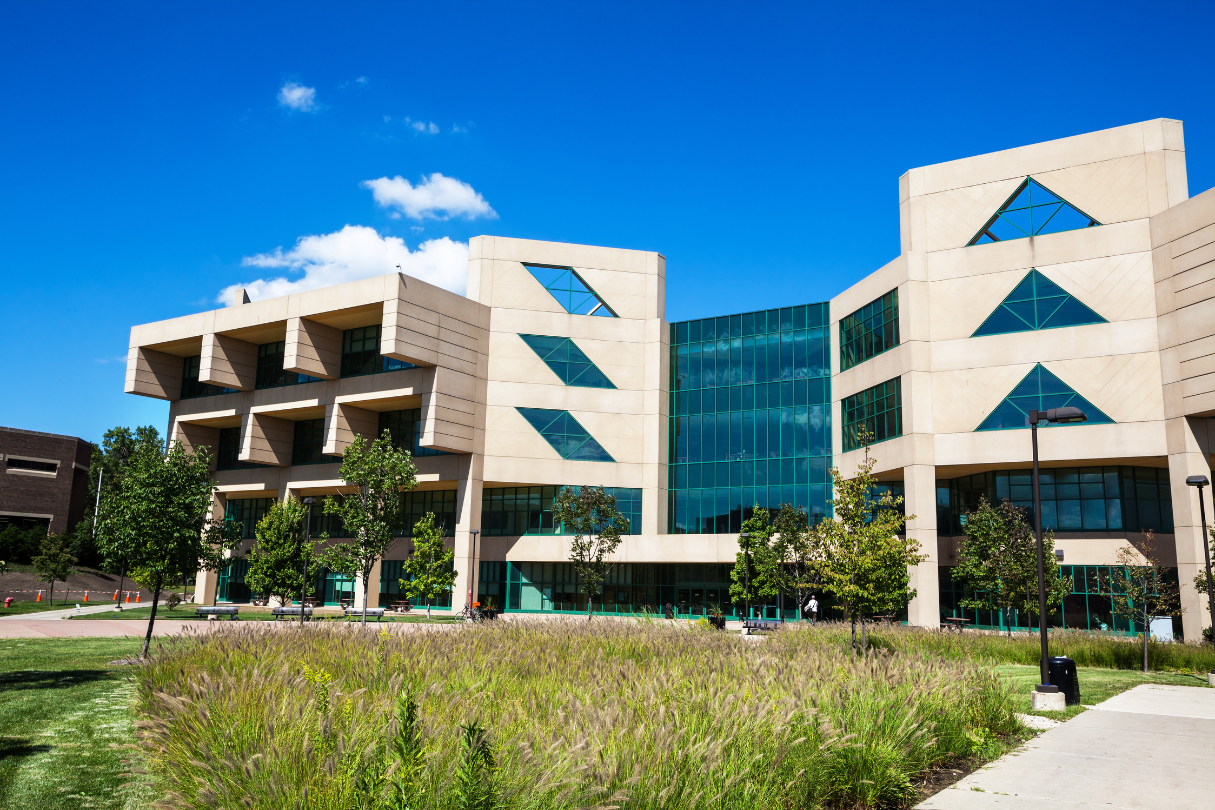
(44, 479)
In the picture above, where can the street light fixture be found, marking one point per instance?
(1057, 416)
(747, 558)
(308, 503)
(472, 573)
(1200, 481)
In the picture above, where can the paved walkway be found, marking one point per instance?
(1149, 748)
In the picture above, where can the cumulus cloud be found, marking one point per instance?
(436, 197)
(297, 97)
(355, 252)
(428, 127)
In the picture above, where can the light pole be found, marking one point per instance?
(1200, 481)
(472, 571)
(747, 586)
(1058, 416)
(308, 502)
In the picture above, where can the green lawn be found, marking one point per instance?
(246, 614)
(1096, 685)
(62, 714)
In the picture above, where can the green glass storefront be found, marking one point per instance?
(1087, 606)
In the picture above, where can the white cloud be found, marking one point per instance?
(297, 97)
(355, 252)
(428, 127)
(428, 198)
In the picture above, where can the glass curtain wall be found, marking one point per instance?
(1074, 499)
(511, 511)
(750, 417)
(1087, 605)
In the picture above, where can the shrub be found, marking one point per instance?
(555, 715)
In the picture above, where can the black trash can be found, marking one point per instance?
(1063, 675)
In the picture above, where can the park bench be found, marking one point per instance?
(378, 613)
(289, 612)
(761, 624)
(956, 622)
(402, 607)
(219, 611)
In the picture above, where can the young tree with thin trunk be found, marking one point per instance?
(754, 574)
(590, 514)
(109, 461)
(55, 562)
(278, 558)
(1139, 590)
(864, 562)
(379, 474)
(160, 519)
(796, 561)
(998, 559)
(429, 567)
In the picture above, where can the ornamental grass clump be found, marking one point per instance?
(558, 714)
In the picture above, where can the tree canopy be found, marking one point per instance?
(429, 568)
(277, 560)
(591, 516)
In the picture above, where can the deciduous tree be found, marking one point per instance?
(590, 514)
(998, 559)
(429, 566)
(55, 562)
(373, 512)
(278, 558)
(864, 562)
(754, 575)
(1139, 589)
(159, 520)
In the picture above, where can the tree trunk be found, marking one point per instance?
(590, 605)
(428, 607)
(852, 617)
(864, 635)
(1007, 622)
(147, 640)
(1147, 631)
(51, 601)
(366, 585)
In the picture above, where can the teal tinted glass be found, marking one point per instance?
(1037, 303)
(1039, 390)
(871, 330)
(567, 361)
(1032, 210)
(561, 430)
(877, 411)
(570, 290)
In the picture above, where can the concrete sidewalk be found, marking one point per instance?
(95, 628)
(1149, 748)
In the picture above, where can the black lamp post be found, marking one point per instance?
(1058, 416)
(1200, 481)
(747, 575)
(472, 572)
(308, 503)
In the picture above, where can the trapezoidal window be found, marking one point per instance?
(1039, 391)
(569, 438)
(1032, 210)
(571, 292)
(567, 361)
(1037, 303)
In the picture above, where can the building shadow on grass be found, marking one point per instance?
(50, 679)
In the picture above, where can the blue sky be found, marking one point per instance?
(150, 149)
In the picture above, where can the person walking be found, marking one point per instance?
(812, 609)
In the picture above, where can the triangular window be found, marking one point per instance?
(1032, 210)
(567, 361)
(565, 434)
(1040, 390)
(1037, 303)
(571, 292)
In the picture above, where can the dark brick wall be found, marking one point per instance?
(65, 496)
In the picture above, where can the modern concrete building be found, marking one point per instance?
(1073, 272)
(45, 480)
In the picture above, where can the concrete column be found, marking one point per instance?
(373, 593)
(205, 585)
(468, 517)
(1189, 454)
(921, 500)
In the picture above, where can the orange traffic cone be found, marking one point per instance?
(86, 596)
(128, 597)
(115, 596)
(39, 599)
(136, 596)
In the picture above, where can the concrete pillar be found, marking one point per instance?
(921, 500)
(468, 517)
(1189, 454)
(373, 593)
(205, 584)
